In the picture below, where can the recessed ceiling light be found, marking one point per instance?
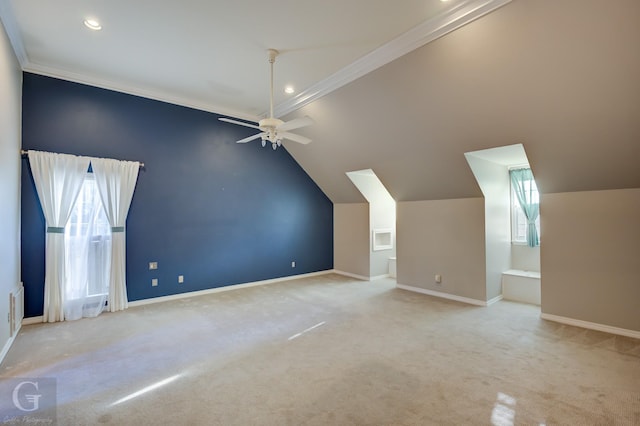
(289, 89)
(92, 24)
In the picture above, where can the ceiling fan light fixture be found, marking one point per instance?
(273, 129)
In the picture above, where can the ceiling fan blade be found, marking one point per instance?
(250, 138)
(296, 123)
(294, 137)
(240, 123)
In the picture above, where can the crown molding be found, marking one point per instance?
(428, 31)
(13, 32)
(158, 95)
(8, 20)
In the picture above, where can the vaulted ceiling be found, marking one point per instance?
(560, 77)
(388, 90)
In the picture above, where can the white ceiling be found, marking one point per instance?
(212, 54)
(508, 156)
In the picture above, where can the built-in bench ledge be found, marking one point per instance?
(521, 286)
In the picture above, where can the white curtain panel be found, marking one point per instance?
(58, 179)
(88, 252)
(116, 182)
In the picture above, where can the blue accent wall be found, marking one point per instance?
(217, 212)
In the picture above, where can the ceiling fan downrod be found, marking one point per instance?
(272, 58)
(273, 129)
(270, 125)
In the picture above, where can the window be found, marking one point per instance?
(518, 218)
(87, 251)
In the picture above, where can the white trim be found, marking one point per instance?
(416, 37)
(519, 166)
(38, 320)
(360, 277)
(443, 295)
(494, 300)
(32, 320)
(158, 95)
(592, 325)
(432, 29)
(7, 346)
(221, 289)
(374, 241)
(535, 275)
(350, 275)
(378, 277)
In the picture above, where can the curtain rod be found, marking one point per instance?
(25, 152)
(519, 166)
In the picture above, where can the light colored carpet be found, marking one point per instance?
(330, 350)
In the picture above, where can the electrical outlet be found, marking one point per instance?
(154, 282)
(153, 265)
(180, 279)
(293, 264)
(438, 279)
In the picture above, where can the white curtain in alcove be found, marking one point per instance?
(58, 179)
(116, 182)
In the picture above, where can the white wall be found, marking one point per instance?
(526, 258)
(590, 257)
(10, 163)
(382, 215)
(351, 238)
(493, 179)
(443, 237)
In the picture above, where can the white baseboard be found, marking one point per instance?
(224, 288)
(379, 277)
(445, 295)
(349, 274)
(7, 346)
(494, 300)
(39, 319)
(592, 325)
(359, 277)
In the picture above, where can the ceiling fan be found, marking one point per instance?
(273, 129)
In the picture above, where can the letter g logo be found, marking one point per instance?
(32, 398)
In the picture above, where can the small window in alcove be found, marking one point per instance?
(525, 204)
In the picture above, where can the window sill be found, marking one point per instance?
(522, 243)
